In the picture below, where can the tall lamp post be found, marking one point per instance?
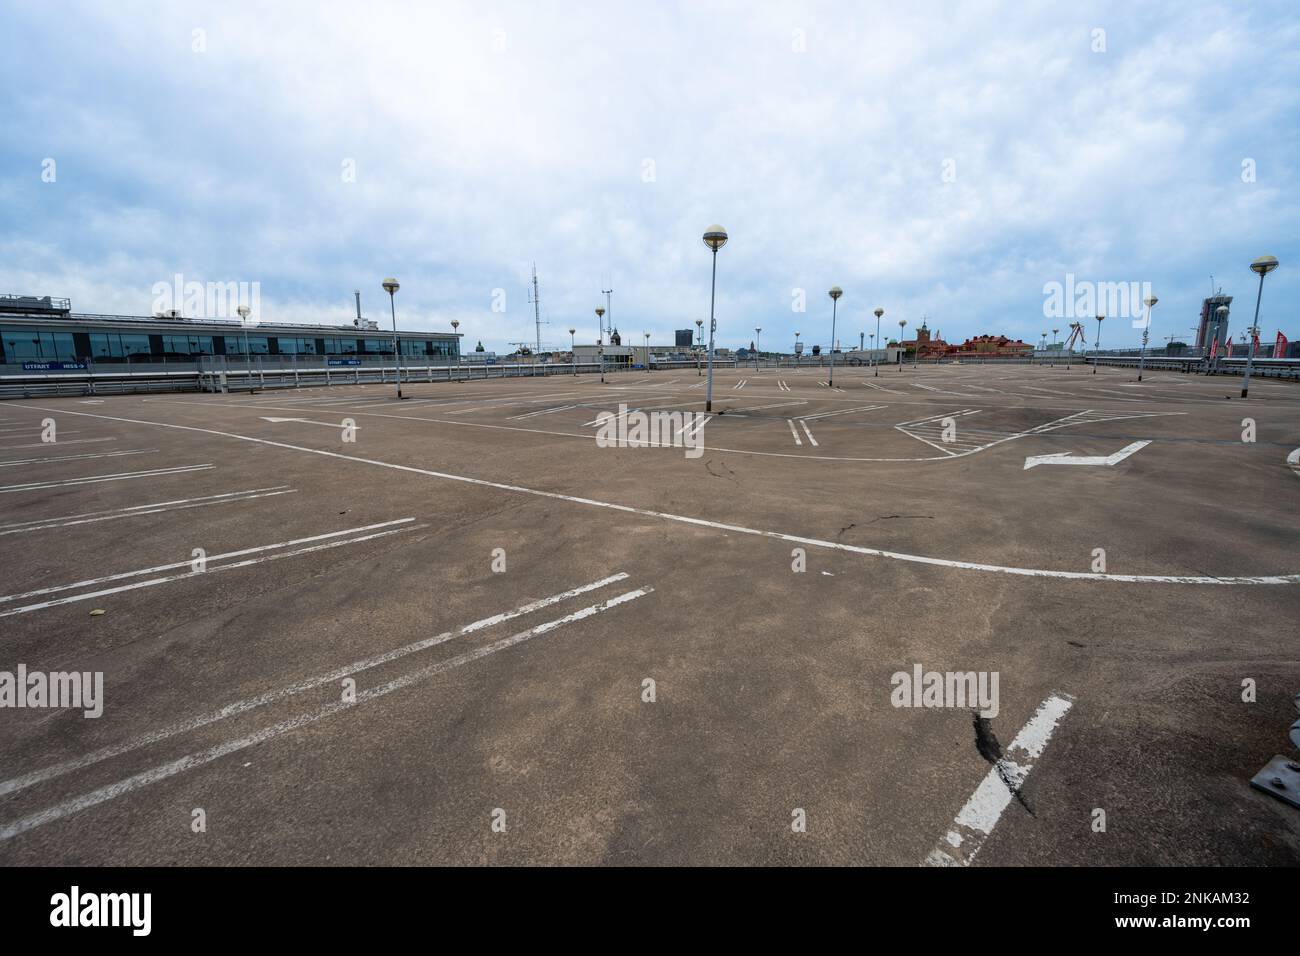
(901, 351)
(1222, 313)
(600, 341)
(647, 351)
(243, 311)
(573, 351)
(797, 350)
(878, 313)
(758, 344)
(715, 237)
(391, 286)
(1096, 346)
(699, 326)
(1150, 302)
(1262, 267)
(835, 294)
(455, 326)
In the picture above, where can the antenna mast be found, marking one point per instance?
(609, 311)
(537, 311)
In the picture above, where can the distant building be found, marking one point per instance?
(685, 338)
(990, 345)
(1213, 327)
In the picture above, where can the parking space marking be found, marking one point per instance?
(756, 408)
(843, 411)
(191, 761)
(1218, 580)
(51, 444)
(91, 582)
(543, 411)
(5, 463)
(94, 479)
(268, 697)
(804, 425)
(795, 432)
(976, 820)
(157, 507)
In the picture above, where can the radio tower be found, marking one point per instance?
(537, 312)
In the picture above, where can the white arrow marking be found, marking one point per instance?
(1065, 458)
(305, 421)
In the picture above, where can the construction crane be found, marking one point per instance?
(1076, 335)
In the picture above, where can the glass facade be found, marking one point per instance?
(32, 345)
(102, 342)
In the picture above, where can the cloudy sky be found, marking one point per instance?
(943, 161)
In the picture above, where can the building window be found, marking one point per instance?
(30, 345)
(257, 345)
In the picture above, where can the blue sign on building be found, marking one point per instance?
(343, 362)
(54, 366)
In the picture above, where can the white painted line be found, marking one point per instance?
(1260, 579)
(153, 582)
(305, 421)
(1293, 460)
(59, 443)
(191, 761)
(612, 416)
(121, 476)
(270, 696)
(181, 504)
(844, 411)
(693, 427)
(1064, 458)
(806, 431)
(90, 582)
(110, 454)
(544, 411)
(756, 408)
(980, 815)
(793, 431)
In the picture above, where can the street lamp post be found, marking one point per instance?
(901, 351)
(647, 351)
(699, 326)
(573, 352)
(391, 286)
(878, 313)
(797, 350)
(758, 344)
(835, 294)
(1096, 347)
(600, 341)
(1262, 267)
(455, 326)
(715, 237)
(243, 311)
(1222, 313)
(1150, 302)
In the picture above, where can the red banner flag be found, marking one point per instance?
(1279, 348)
(1227, 347)
(1214, 349)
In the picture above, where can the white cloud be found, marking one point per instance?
(826, 165)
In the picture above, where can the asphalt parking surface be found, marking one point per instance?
(427, 640)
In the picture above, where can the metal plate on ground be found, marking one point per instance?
(1281, 778)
